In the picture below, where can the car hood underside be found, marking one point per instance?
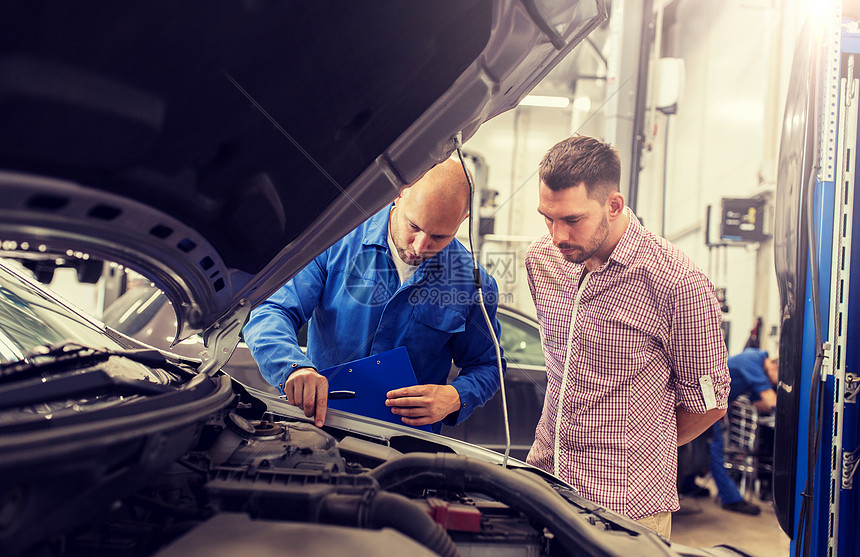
(218, 146)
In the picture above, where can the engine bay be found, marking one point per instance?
(276, 485)
(274, 472)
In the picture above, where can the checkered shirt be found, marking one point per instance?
(647, 326)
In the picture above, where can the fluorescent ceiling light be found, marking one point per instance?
(582, 103)
(541, 100)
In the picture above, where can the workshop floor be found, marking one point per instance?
(703, 523)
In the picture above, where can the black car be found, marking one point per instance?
(217, 148)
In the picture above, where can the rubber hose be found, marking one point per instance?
(519, 490)
(392, 511)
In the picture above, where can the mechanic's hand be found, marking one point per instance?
(308, 390)
(423, 404)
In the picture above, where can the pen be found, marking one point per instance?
(333, 395)
(341, 395)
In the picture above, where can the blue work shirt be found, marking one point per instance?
(748, 375)
(355, 306)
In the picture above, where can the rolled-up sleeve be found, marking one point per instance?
(695, 345)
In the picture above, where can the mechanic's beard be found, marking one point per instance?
(403, 254)
(410, 258)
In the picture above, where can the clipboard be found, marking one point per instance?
(371, 378)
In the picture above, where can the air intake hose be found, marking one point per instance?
(388, 510)
(519, 490)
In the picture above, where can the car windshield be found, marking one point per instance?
(29, 319)
(138, 308)
(132, 311)
(57, 364)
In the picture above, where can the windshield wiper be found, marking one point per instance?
(51, 359)
(72, 370)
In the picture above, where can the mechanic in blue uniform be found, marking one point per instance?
(753, 374)
(398, 279)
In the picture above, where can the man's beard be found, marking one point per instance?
(408, 257)
(405, 256)
(586, 252)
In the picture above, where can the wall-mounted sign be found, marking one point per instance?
(743, 220)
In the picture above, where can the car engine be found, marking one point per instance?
(280, 486)
(248, 481)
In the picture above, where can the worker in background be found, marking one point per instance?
(636, 363)
(398, 279)
(753, 374)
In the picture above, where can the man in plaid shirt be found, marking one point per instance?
(636, 362)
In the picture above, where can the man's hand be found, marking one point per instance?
(767, 402)
(308, 390)
(691, 425)
(423, 404)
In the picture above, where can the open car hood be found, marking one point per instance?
(218, 147)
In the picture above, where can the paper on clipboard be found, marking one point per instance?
(371, 378)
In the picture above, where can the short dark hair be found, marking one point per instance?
(582, 160)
